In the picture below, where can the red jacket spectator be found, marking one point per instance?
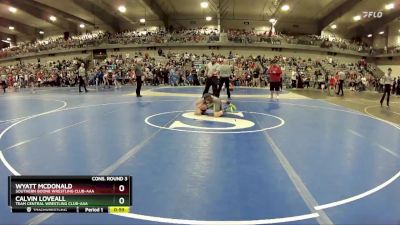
(10, 80)
(275, 73)
(332, 81)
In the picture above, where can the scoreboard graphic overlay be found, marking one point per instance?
(70, 194)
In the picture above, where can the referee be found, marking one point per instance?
(387, 81)
(212, 77)
(139, 76)
(81, 75)
(342, 77)
(225, 72)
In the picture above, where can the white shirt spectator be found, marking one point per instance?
(364, 81)
(342, 75)
(388, 79)
(82, 71)
(294, 75)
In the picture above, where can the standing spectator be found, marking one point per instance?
(131, 76)
(196, 81)
(10, 82)
(381, 83)
(31, 82)
(116, 79)
(388, 80)
(256, 75)
(398, 85)
(316, 74)
(3, 78)
(364, 82)
(307, 81)
(139, 77)
(352, 83)
(26, 78)
(299, 78)
(332, 84)
(294, 78)
(164, 72)
(107, 76)
(81, 75)
(99, 77)
(173, 80)
(275, 73)
(394, 86)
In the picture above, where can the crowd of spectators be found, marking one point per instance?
(187, 68)
(330, 42)
(180, 69)
(360, 76)
(345, 44)
(245, 36)
(199, 35)
(54, 43)
(59, 73)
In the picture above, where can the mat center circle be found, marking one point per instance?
(238, 122)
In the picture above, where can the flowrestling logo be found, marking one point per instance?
(372, 14)
(238, 122)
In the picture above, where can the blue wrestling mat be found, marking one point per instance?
(288, 161)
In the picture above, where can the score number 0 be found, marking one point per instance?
(121, 200)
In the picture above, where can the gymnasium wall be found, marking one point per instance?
(385, 63)
(395, 69)
(300, 27)
(150, 22)
(379, 41)
(193, 23)
(394, 34)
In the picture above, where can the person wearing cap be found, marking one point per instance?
(212, 77)
(387, 81)
(211, 102)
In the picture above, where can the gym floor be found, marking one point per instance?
(303, 159)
